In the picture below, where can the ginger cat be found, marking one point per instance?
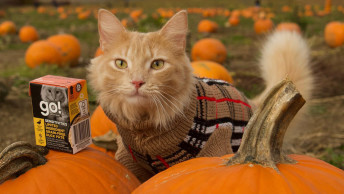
(165, 115)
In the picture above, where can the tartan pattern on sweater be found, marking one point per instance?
(204, 122)
(218, 104)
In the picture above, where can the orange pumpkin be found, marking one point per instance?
(2, 13)
(79, 9)
(334, 34)
(69, 46)
(88, 171)
(289, 26)
(286, 8)
(210, 69)
(226, 13)
(211, 175)
(28, 34)
(259, 165)
(209, 49)
(309, 13)
(42, 52)
(7, 27)
(234, 21)
(321, 13)
(247, 13)
(262, 26)
(41, 9)
(308, 7)
(98, 52)
(84, 15)
(235, 13)
(136, 14)
(63, 16)
(124, 22)
(328, 4)
(100, 125)
(340, 8)
(60, 9)
(207, 26)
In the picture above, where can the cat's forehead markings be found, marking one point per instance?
(137, 46)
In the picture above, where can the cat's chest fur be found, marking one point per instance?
(215, 104)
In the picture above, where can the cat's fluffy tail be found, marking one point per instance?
(286, 54)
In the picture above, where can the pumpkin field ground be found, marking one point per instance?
(321, 136)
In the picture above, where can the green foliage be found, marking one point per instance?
(335, 156)
(21, 75)
(11, 42)
(317, 110)
(239, 39)
(150, 24)
(252, 91)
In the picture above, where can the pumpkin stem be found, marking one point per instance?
(20, 157)
(107, 141)
(263, 137)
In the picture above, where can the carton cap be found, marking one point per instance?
(58, 81)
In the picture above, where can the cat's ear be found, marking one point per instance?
(109, 27)
(176, 29)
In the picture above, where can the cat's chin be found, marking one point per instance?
(136, 99)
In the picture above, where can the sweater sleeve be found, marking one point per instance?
(218, 143)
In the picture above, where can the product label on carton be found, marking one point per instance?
(61, 113)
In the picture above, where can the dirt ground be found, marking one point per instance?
(323, 128)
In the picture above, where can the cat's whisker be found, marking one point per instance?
(176, 107)
(176, 100)
(166, 86)
(157, 107)
(113, 91)
(168, 124)
(176, 110)
(164, 110)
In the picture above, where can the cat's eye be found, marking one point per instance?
(157, 64)
(120, 63)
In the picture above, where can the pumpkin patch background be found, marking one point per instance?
(236, 24)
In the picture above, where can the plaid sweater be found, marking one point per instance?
(213, 125)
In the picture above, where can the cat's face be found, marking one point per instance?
(142, 76)
(55, 94)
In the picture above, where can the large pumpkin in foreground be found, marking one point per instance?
(210, 69)
(89, 171)
(259, 165)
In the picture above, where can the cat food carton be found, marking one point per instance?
(61, 113)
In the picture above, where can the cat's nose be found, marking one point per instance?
(137, 84)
